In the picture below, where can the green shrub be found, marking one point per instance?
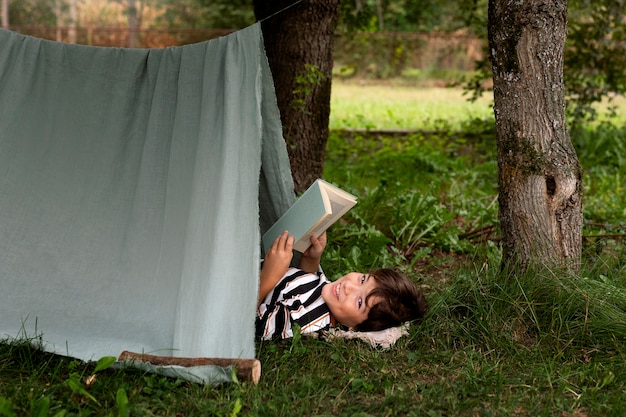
(417, 193)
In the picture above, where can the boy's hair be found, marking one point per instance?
(399, 301)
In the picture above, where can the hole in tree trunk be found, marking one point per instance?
(550, 185)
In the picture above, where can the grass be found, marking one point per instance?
(397, 107)
(545, 343)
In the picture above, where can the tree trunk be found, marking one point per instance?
(539, 176)
(57, 15)
(299, 45)
(5, 14)
(133, 26)
(71, 32)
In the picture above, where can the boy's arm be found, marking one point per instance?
(276, 263)
(310, 260)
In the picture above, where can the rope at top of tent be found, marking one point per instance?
(281, 10)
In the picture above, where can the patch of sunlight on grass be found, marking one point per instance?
(619, 105)
(402, 107)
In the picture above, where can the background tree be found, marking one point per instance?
(32, 12)
(134, 24)
(539, 177)
(206, 14)
(71, 30)
(595, 54)
(407, 15)
(4, 10)
(299, 45)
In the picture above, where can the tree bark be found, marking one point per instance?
(299, 42)
(539, 176)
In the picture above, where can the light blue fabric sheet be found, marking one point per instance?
(129, 184)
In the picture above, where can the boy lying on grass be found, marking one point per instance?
(362, 302)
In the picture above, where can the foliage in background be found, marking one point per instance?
(418, 194)
(203, 14)
(408, 16)
(405, 55)
(368, 15)
(29, 12)
(602, 152)
(594, 57)
(595, 54)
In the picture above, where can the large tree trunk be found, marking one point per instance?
(539, 176)
(299, 45)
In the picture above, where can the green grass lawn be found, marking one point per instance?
(547, 343)
(400, 107)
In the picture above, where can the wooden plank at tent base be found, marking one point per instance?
(246, 369)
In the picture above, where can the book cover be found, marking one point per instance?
(321, 205)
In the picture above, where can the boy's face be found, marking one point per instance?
(346, 298)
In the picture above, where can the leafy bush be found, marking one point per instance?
(601, 145)
(417, 193)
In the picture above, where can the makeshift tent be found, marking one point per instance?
(135, 185)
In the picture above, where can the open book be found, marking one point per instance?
(321, 205)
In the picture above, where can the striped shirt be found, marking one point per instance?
(297, 298)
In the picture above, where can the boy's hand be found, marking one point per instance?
(317, 247)
(275, 264)
(279, 255)
(310, 261)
